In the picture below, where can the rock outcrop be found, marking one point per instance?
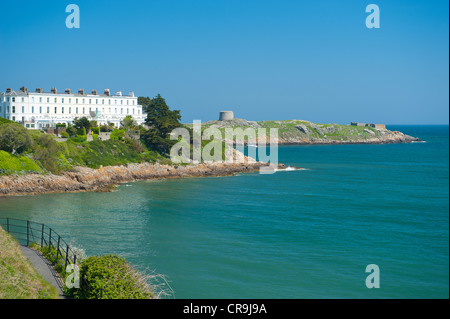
(82, 179)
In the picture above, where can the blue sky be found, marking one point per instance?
(265, 60)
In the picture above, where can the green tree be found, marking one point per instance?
(161, 120)
(83, 122)
(128, 123)
(47, 152)
(14, 138)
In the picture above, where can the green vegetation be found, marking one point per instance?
(161, 121)
(101, 277)
(301, 130)
(111, 277)
(19, 280)
(10, 164)
(113, 152)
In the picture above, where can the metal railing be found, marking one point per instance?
(28, 232)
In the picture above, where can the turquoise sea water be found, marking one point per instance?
(297, 234)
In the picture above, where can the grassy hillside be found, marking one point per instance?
(301, 131)
(18, 278)
(44, 154)
(10, 164)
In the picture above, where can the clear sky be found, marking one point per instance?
(314, 60)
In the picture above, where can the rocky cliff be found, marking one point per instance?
(103, 179)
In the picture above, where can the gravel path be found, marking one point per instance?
(44, 268)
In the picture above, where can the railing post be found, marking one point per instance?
(28, 233)
(50, 239)
(7, 224)
(57, 249)
(42, 236)
(67, 256)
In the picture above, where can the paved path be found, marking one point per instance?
(44, 268)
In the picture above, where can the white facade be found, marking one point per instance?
(39, 110)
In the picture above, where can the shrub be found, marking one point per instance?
(64, 134)
(111, 277)
(117, 135)
(14, 139)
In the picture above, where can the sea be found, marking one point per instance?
(295, 234)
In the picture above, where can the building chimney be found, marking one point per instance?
(68, 91)
(94, 92)
(8, 90)
(39, 90)
(107, 92)
(132, 93)
(81, 91)
(119, 93)
(54, 90)
(24, 89)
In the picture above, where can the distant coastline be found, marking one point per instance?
(84, 179)
(106, 177)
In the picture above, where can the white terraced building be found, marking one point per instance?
(40, 110)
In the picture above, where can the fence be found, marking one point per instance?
(27, 232)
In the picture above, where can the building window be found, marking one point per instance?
(13, 109)
(76, 101)
(40, 109)
(48, 109)
(70, 100)
(121, 111)
(90, 101)
(55, 99)
(83, 101)
(121, 102)
(56, 109)
(23, 99)
(103, 101)
(62, 100)
(23, 109)
(14, 99)
(32, 99)
(40, 100)
(32, 109)
(83, 110)
(76, 110)
(70, 110)
(109, 102)
(48, 100)
(96, 101)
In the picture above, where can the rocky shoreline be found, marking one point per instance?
(83, 179)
